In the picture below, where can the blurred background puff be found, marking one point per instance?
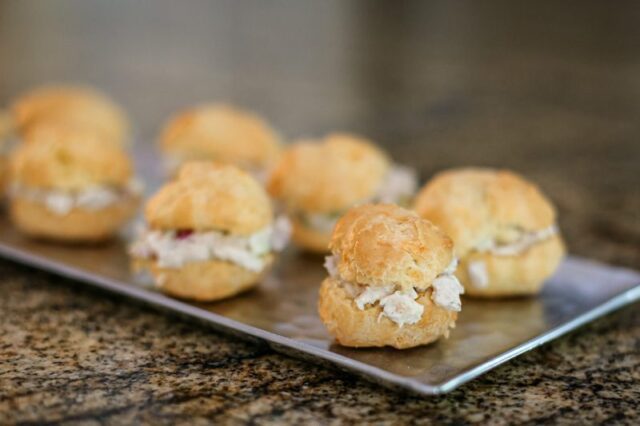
(317, 181)
(78, 106)
(70, 184)
(6, 135)
(211, 233)
(504, 229)
(391, 280)
(223, 134)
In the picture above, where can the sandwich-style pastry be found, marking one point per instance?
(317, 181)
(391, 279)
(210, 233)
(77, 106)
(223, 134)
(70, 184)
(503, 227)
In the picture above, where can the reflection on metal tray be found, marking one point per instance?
(282, 312)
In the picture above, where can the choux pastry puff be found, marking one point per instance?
(70, 184)
(391, 280)
(210, 234)
(504, 229)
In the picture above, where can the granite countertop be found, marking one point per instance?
(552, 93)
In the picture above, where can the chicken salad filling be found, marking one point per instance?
(173, 249)
(401, 306)
(519, 242)
(93, 198)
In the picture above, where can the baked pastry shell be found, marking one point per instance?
(206, 281)
(68, 158)
(79, 225)
(222, 133)
(329, 175)
(473, 204)
(365, 328)
(520, 275)
(210, 196)
(383, 243)
(74, 106)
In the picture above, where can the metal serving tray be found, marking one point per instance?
(282, 310)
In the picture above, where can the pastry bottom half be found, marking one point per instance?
(519, 275)
(202, 281)
(366, 328)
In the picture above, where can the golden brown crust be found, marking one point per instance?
(202, 281)
(514, 275)
(366, 328)
(4, 174)
(381, 244)
(76, 106)
(210, 196)
(221, 133)
(55, 156)
(472, 205)
(79, 225)
(6, 131)
(328, 176)
(6, 127)
(308, 238)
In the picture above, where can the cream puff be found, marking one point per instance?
(6, 134)
(391, 280)
(210, 233)
(504, 229)
(77, 106)
(69, 184)
(220, 133)
(317, 181)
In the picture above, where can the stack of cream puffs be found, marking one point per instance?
(503, 227)
(220, 133)
(318, 181)
(210, 233)
(71, 184)
(391, 280)
(71, 106)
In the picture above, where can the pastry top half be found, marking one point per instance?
(382, 244)
(221, 133)
(330, 175)
(68, 158)
(208, 196)
(474, 205)
(71, 105)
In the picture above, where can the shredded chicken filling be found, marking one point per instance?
(401, 306)
(173, 249)
(522, 243)
(62, 202)
(477, 269)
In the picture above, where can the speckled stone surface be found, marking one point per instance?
(551, 90)
(74, 355)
